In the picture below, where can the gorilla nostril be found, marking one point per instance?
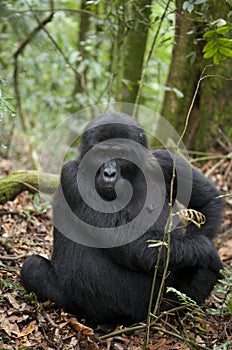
(109, 176)
(109, 173)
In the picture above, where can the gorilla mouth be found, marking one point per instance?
(107, 192)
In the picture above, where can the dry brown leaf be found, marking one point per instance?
(93, 346)
(28, 330)
(11, 329)
(13, 301)
(79, 327)
(15, 318)
(157, 345)
(63, 324)
(225, 252)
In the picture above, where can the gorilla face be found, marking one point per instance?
(112, 152)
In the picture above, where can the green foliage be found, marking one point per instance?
(9, 285)
(61, 72)
(222, 294)
(221, 298)
(224, 346)
(7, 115)
(183, 298)
(189, 5)
(219, 42)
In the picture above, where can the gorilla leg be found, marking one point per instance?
(38, 276)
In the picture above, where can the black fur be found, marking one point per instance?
(113, 284)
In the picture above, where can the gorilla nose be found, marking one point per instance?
(110, 172)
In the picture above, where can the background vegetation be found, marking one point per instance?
(58, 57)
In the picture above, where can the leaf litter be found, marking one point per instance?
(27, 324)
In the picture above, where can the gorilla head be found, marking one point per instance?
(108, 139)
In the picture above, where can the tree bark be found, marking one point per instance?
(13, 184)
(213, 103)
(135, 49)
(83, 34)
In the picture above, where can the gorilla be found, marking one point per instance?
(113, 201)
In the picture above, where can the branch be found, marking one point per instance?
(16, 55)
(65, 57)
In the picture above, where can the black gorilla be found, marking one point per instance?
(112, 283)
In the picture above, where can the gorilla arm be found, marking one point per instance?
(187, 250)
(204, 195)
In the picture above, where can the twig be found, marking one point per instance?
(211, 170)
(12, 258)
(152, 295)
(158, 329)
(211, 157)
(50, 320)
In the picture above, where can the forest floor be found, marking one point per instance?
(26, 229)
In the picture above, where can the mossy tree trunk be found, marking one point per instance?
(135, 48)
(82, 37)
(213, 104)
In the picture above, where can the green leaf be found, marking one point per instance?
(210, 45)
(217, 58)
(223, 29)
(225, 42)
(201, 328)
(211, 53)
(198, 2)
(185, 5)
(225, 51)
(188, 6)
(208, 34)
(230, 306)
(178, 93)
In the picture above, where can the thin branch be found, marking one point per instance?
(16, 55)
(221, 161)
(148, 323)
(211, 157)
(158, 329)
(65, 57)
(12, 258)
(58, 9)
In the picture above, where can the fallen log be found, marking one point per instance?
(15, 183)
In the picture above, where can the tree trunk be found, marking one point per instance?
(83, 35)
(135, 49)
(13, 184)
(213, 103)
